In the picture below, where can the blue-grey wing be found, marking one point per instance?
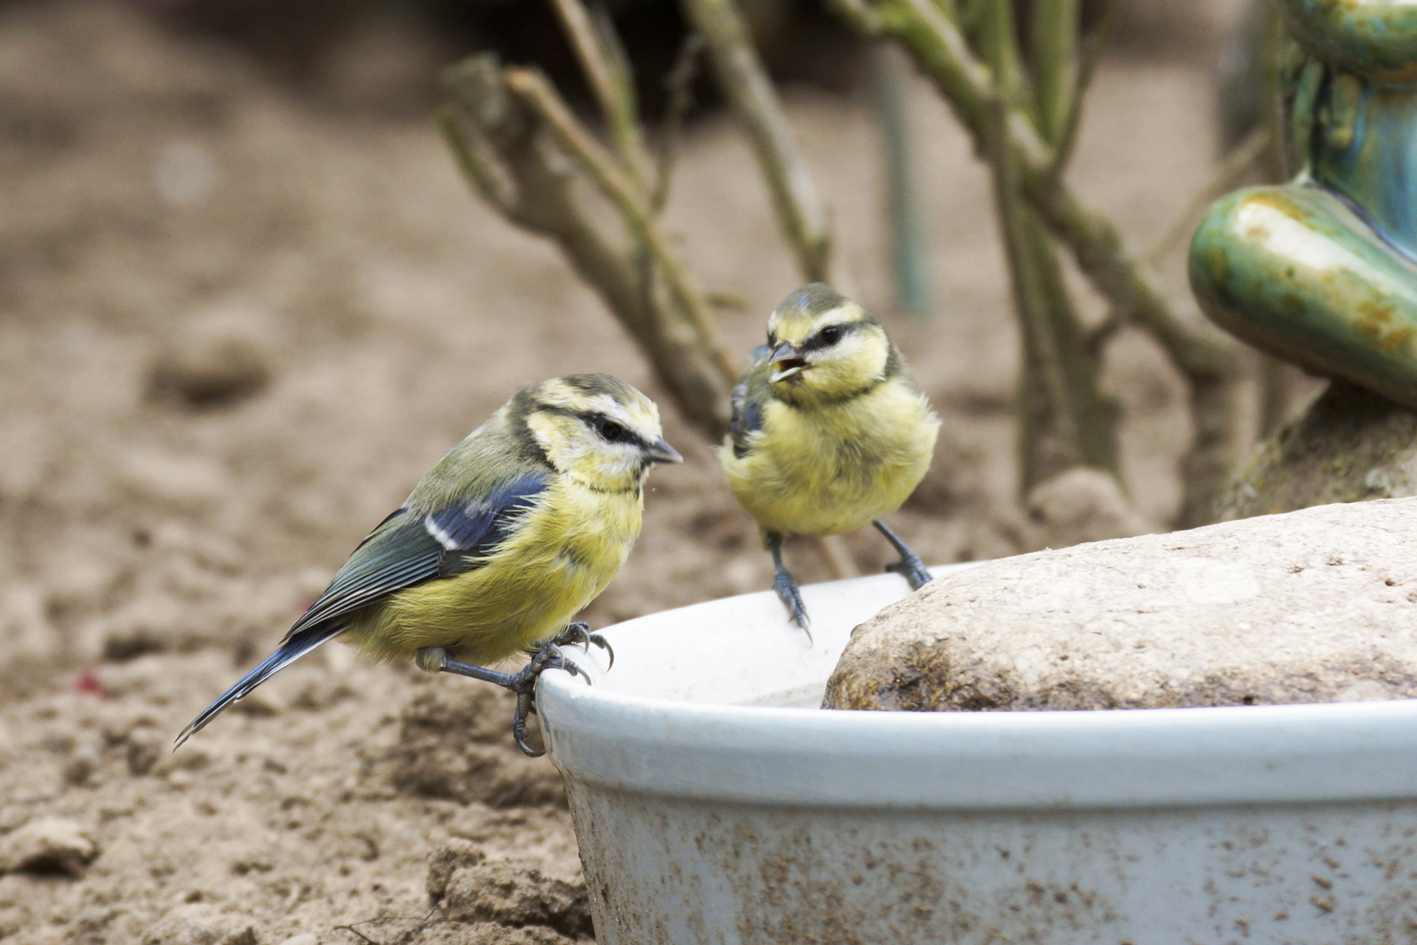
(408, 548)
(470, 529)
(747, 415)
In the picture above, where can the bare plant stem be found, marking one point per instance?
(680, 81)
(1087, 68)
(1215, 366)
(607, 74)
(1063, 419)
(909, 252)
(1055, 65)
(755, 104)
(522, 149)
(527, 154)
(538, 94)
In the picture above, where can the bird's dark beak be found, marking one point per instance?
(787, 361)
(661, 452)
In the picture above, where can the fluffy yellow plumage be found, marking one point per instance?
(565, 549)
(517, 528)
(829, 431)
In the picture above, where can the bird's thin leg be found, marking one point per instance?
(435, 659)
(786, 585)
(580, 633)
(909, 566)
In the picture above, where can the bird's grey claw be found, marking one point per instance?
(909, 566)
(604, 644)
(519, 716)
(913, 570)
(570, 666)
(523, 682)
(579, 633)
(524, 685)
(785, 585)
(575, 633)
(787, 591)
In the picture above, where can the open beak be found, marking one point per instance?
(786, 362)
(661, 452)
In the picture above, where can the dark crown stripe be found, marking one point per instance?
(814, 299)
(607, 384)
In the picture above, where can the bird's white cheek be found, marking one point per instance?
(851, 364)
(618, 465)
(629, 466)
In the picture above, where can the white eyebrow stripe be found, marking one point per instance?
(606, 405)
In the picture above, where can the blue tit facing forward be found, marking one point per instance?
(515, 530)
(828, 431)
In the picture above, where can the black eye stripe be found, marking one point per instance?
(604, 427)
(817, 342)
(594, 419)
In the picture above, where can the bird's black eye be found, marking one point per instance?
(830, 335)
(611, 432)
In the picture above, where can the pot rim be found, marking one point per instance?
(977, 761)
(1056, 760)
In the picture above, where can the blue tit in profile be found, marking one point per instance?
(515, 530)
(828, 431)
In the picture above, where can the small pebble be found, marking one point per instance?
(217, 359)
(48, 845)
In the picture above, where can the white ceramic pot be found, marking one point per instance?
(712, 806)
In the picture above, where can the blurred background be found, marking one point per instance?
(246, 300)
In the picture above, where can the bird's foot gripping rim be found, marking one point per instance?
(912, 569)
(790, 596)
(579, 633)
(909, 566)
(523, 682)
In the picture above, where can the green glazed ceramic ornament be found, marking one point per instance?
(1323, 271)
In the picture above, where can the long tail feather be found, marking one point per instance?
(288, 653)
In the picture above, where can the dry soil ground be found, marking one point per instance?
(235, 329)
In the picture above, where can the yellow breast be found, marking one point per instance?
(562, 555)
(832, 469)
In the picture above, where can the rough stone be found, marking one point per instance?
(48, 845)
(1316, 605)
(201, 924)
(453, 854)
(518, 896)
(220, 357)
(1348, 445)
